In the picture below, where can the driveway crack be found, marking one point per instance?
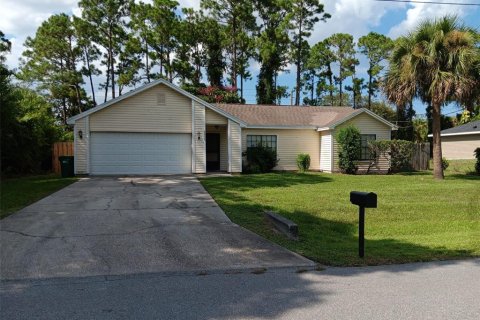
(80, 236)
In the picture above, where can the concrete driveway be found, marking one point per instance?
(131, 225)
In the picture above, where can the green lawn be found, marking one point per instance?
(417, 219)
(16, 193)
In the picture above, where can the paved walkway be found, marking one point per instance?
(123, 226)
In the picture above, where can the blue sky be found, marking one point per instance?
(20, 18)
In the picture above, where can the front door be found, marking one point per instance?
(213, 151)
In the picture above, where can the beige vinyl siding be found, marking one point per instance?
(235, 146)
(199, 145)
(290, 143)
(211, 117)
(367, 125)
(81, 146)
(141, 113)
(460, 147)
(326, 151)
(222, 130)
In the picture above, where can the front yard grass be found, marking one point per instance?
(417, 219)
(16, 193)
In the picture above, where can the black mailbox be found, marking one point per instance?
(364, 199)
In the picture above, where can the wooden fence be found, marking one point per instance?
(421, 156)
(60, 149)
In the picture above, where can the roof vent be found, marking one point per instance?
(161, 99)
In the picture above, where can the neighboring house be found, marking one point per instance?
(162, 129)
(460, 142)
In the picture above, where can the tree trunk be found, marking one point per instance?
(370, 88)
(87, 59)
(241, 84)
(112, 65)
(437, 142)
(299, 62)
(64, 112)
(107, 81)
(170, 69)
(330, 81)
(79, 98)
(313, 88)
(146, 62)
(340, 93)
(234, 56)
(297, 87)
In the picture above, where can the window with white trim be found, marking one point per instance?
(365, 153)
(269, 141)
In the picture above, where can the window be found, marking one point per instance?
(267, 141)
(365, 153)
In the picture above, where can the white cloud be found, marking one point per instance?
(20, 19)
(419, 12)
(195, 4)
(352, 16)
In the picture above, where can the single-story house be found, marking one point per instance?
(460, 142)
(161, 129)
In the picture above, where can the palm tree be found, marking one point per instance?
(437, 63)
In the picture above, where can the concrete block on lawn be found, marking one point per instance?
(282, 224)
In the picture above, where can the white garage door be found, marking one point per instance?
(140, 153)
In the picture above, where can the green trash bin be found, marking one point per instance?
(66, 164)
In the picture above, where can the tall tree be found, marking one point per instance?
(192, 33)
(238, 19)
(343, 48)
(142, 29)
(246, 52)
(108, 18)
(376, 47)
(214, 35)
(434, 63)
(356, 88)
(272, 43)
(304, 14)
(321, 59)
(5, 47)
(130, 63)
(163, 21)
(90, 51)
(51, 60)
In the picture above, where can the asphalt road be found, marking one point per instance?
(437, 290)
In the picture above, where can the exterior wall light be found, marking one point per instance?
(80, 134)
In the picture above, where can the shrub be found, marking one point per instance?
(477, 164)
(349, 141)
(399, 151)
(303, 162)
(260, 159)
(445, 163)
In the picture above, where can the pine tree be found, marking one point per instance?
(376, 47)
(51, 60)
(303, 16)
(272, 43)
(108, 19)
(319, 64)
(239, 21)
(343, 48)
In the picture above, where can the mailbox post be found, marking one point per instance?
(362, 200)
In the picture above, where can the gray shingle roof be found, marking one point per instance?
(473, 126)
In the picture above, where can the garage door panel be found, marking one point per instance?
(140, 153)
